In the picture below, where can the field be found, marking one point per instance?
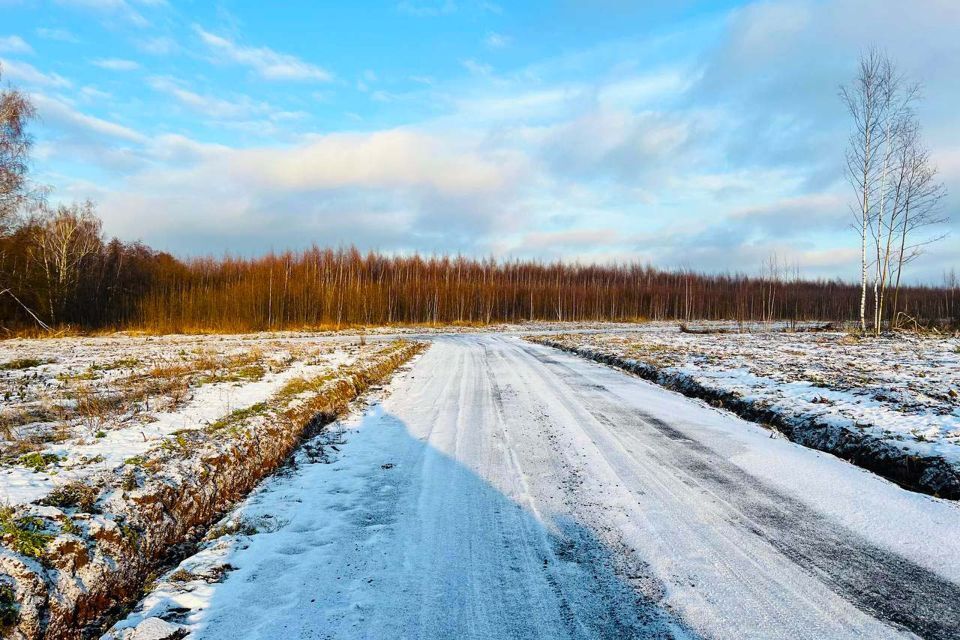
(403, 480)
(76, 407)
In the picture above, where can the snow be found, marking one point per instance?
(86, 446)
(155, 629)
(904, 390)
(39, 413)
(504, 489)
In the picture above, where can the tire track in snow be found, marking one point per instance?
(883, 584)
(535, 497)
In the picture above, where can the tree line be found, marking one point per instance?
(57, 269)
(61, 270)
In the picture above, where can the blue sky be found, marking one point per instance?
(687, 134)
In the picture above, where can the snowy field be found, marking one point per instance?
(76, 406)
(904, 390)
(72, 407)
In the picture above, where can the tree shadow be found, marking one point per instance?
(385, 536)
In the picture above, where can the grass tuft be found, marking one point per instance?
(240, 527)
(73, 494)
(39, 461)
(26, 534)
(23, 363)
(235, 418)
(122, 363)
(9, 611)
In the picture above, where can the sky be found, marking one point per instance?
(704, 135)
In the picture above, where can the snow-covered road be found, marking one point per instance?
(506, 490)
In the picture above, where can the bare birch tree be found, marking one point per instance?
(16, 111)
(863, 99)
(896, 100)
(891, 175)
(60, 245)
(920, 201)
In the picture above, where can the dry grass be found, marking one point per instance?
(23, 363)
(77, 495)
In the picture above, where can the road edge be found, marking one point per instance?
(931, 475)
(92, 564)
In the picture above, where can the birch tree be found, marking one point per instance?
(863, 99)
(919, 202)
(16, 111)
(61, 244)
(889, 171)
(897, 97)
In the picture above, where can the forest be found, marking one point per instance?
(57, 270)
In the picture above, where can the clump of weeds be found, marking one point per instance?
(39, 461)
(24, 534)
(73, 494)
(9, 611)
(23, 363)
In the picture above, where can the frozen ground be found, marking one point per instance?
(503, 489)
(75, 407)
(903, 390)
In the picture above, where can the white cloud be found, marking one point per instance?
(158, 46)
(647, 89)
(119, 9)
(92, 94)
(496, 40)
(30, 75)
(386, 159)
(795, 214)
(527, 105)
(60, 35)
(571, 238)
(116, 64)
(424, 80)
(65, 117)
(178, 148)
(269, 64)
(629, 148)
(398, 189)
(14, 44)
(477, 68)
(210, 106)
